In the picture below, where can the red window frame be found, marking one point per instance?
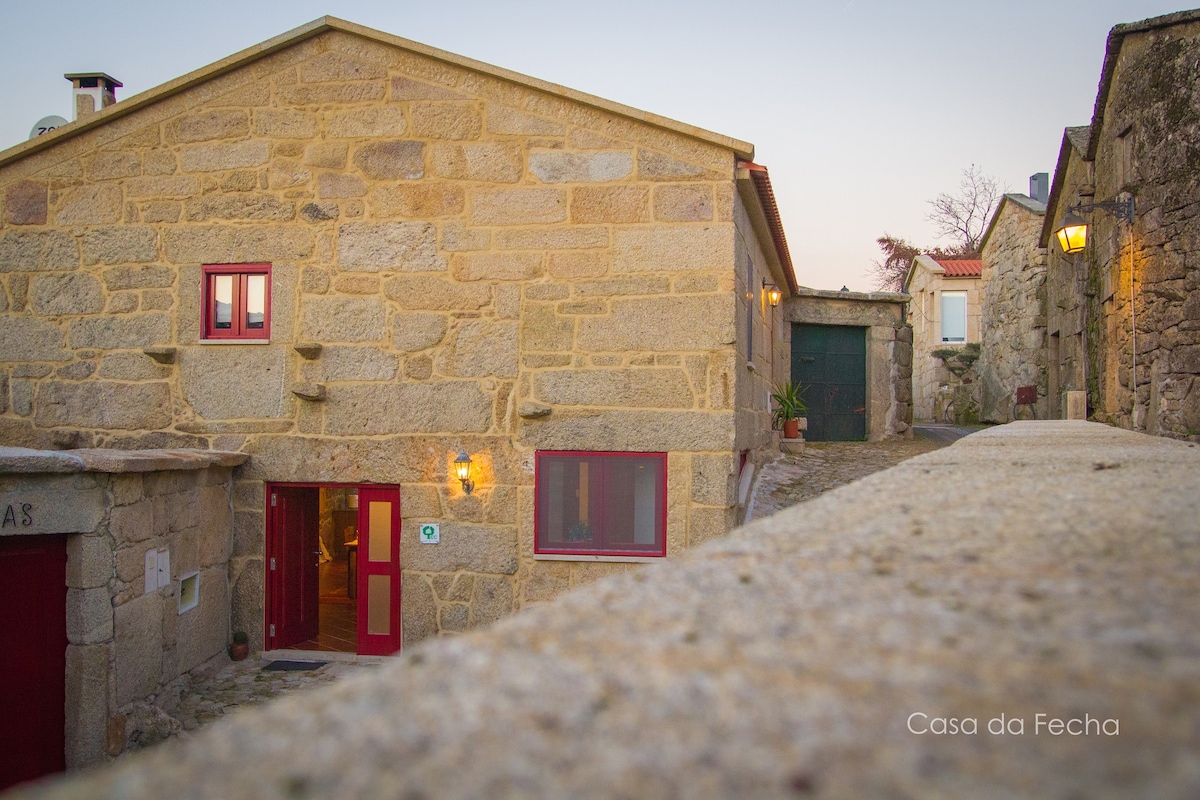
(599, 506)
(208, 304)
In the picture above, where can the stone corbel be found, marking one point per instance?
(308, 350)
(531, 410)
(163, 355)
(314, 392)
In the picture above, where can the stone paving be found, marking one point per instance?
(823, 466)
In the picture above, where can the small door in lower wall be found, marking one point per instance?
(33, 616)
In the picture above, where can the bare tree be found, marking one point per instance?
(898, 255)
(964, 216)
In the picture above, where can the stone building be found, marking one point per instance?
(1141, 280)
(351, 258)
(944, 312)
(1013, 307)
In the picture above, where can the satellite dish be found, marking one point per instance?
(46, 124)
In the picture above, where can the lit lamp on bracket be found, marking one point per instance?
(462, 468)
(1072, 231)
(772, 293)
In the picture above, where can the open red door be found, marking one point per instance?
(378, 571)
(294, 581)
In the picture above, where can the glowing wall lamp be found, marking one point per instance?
(772, 293)
(1072, 231)
(462, 466)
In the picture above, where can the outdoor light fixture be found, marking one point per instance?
(462, 466)
(772, 293)
(1072, 231)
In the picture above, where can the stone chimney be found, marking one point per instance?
(1039, 187)
(94, 91)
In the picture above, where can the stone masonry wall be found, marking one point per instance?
(487, 266)
(933, 384)
(1013, 327)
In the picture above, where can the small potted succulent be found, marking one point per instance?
(789, 408)
(240, 647)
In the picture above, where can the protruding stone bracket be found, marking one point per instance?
(163, 355)
(531, 410)
(314, 392)
(308, 350)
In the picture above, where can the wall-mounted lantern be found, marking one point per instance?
(462, 467)
(1073, 230)
(772, 293)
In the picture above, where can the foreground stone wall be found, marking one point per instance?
(1013, 309)
(796, 657)
(128, 648)
(486, 265)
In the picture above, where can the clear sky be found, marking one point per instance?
(862, 109)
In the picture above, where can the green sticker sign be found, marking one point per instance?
(431, 533)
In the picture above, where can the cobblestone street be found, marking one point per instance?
(827, 465)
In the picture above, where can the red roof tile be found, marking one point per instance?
(962, 267)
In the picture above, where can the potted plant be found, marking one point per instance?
(789, 407)
(240, 647)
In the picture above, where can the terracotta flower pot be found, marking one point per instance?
(791, 429)
(238, 652)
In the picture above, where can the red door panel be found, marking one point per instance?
(294, 530)
(33, 616)
(378, 571)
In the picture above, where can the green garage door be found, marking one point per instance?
(830, 362)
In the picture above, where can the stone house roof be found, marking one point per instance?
(1074, 140)
(961, 267)
(1022, 200)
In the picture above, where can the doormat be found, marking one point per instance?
(292, 666)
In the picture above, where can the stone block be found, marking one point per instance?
(446, 120)
(543, 330)
(159, 162)
(457, 587)
(519, 206)
(248, 533)
(454, 617)
(480, 348)
(26, 203)
(496, 266)
(319, 212)
(107, 166)
(476, 548)
(418, 200)
(203, 632)
(121, 333)
(493, 600)
(89, 561)
(331, 66)
(89, 616)
(370, 121)
(138, 649)
(215, 157)
(391, 246)
(47, 512)
(133, 522)
(131, 564)
(332, 185)
(120, 244)
(418, 502)
(257, 372)
(436, 294)
(342, 319)
(360, 363)
(690, 322)
(283, 123)
(22, 397)
(490, 162)
(457, 237)
(26, 339)
(283, 173)
(72, 293)
(246, 599)
(227, 244)
(706, 523)
(547, 580)
(683, 202)
(214, 124)
(652, 166)
(623, 286)
(391, 160)
(412, 332)
(575, 237)
(556, 166)
(418, 368)
(631, 388)
(373, 409)
(239, 206)
(638, 430)
(330, 155)
(132, 367)
(418, 611)
(610, 204)
(37, 251)
(90, 205)
(509, 121)
(714, 479)
(404, 88)
(123, 302)
(332, 93)
(699, 248)
(103, 404)
(163, 186)
(86, 703)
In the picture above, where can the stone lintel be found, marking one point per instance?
(26, 460)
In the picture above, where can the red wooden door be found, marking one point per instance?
(295, 552)
(378, 571)
(33, 616)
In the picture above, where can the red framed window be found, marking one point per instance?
(609, 504)
(236, 301)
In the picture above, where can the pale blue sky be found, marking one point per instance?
(862, 109)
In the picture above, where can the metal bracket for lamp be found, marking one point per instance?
(1072, 231)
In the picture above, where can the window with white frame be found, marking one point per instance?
(954, 316)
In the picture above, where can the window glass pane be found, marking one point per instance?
(598, 503)
(379, 604)
(223, 294)
(256, 301)
(379, 531)
(954, 316)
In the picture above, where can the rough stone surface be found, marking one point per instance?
(103, 404)
(259, 372)
(390, 246)
(556, 166)
(391, 160)
(630, 388)
(365, 410)
(73, 293)
(463, 547)
(342, 319)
